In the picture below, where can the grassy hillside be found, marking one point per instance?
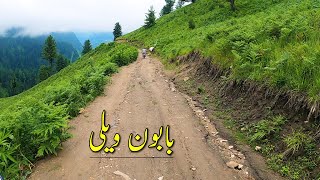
(34, 123)
(273, 43)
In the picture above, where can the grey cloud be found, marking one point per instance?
(43, 16)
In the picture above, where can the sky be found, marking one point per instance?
(44, 16)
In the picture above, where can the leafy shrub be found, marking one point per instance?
(48, 129)
(34, 123)
(266, 129)
(110, 68)
(7, 150)
(123, 56)
(297, 141)
(275, 43)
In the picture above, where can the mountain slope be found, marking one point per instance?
(274, 42)
(270, 48)
(34, 123)
(20, 58)
(68, 37)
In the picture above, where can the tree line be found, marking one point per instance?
(20, 59)
(56, 60)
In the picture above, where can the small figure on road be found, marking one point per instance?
(144, 53)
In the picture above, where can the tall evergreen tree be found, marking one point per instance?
(150, 18)
(87, 47)
(117, 31)
(44, 73)
(49, 51)
(167, 8)
(62, 62)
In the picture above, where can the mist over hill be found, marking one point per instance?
(68, 37)
(20, 58)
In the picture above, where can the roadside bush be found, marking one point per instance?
(297, 141)
(34, 123)
(266, 130)
(110, 68)
(123, 56)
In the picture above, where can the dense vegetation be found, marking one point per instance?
(273, 43)
(34, 123)
(20, 59)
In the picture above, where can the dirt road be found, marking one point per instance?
(138, 98)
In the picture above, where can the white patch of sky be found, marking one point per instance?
(43, 16)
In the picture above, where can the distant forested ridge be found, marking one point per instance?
(20, 58)
(96, 38)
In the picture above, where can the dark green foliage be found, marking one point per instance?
(150, 18)
(3, 92)
(191, 23)
(110, 69)
(261, 42)
(61, 62)
(87, 47)
(34, 123)
(232, 5)
(299, 159)
(272, 44)
(44, 73)
(123, 56)
(117, 31)
(20, 57)
(266, 130)
(167, 8)
(49, 51)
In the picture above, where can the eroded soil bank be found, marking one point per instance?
(239, 110)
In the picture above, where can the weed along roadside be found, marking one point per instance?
(255, 70)
(203, 89)
(39, 117)
(255, 122)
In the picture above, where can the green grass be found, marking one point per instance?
(34, 123)
(274, 42)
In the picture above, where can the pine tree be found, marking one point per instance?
(62, 62)
(167, 8)
(49, 51)
(87, 47)
(44, 73)
(150, 18)
(117, 31)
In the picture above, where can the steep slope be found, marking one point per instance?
(266, 49)
(34, 123)
(274, 42)
(20, 58)
(68, 37)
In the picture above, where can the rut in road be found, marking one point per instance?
(139, 97)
